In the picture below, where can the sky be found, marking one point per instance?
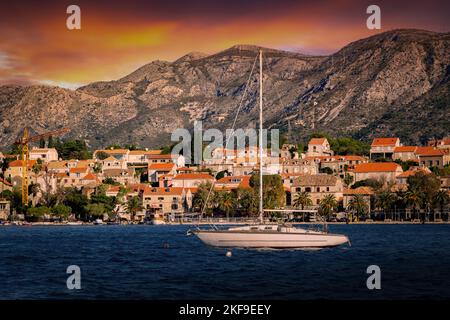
(117, 37)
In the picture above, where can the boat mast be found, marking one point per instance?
(261, 210)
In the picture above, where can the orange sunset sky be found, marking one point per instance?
(118, 37)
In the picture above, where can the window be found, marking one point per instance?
(318, 189)
(328, 189)
(160, 198)
(174, 206)
(318, 201)
(308, 189)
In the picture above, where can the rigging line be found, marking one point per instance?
(231, 135)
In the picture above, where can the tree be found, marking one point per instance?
(201, 199)
(95, 210)
(426, 186)
(226, 202)
(414, 198)
(327, 205)
(385, 200)
(273, 190)
(348, 179)
(358, 205)
(302, 199)
(37, 213)
(133, 206)
(326, 170)
(441, 199)
(101, 155)
(61, 211)
(42, 143)
(77, 201)
(247, 200)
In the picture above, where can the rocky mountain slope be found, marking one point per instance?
(394, 83)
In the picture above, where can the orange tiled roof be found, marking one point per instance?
(90, 176)
(175, 191)
(430, 152)
(317, 141)
(193, 176)
(18, 163)
(376, 167)
(384, 141)
(78, 170)
(244, 180)
(405, 149)
(161, 166)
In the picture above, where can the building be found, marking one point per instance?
(319, 147)
(45, 154)
(5, 185)
(4, 209)
(383, 147)
(299, 166)
(405, 153)
(387, 171)
(157, 170)
(113, 163)
(318, 186)
(433, 157)
(15, 170)
(338, 164)
(166, 200)
(365, 192)
(233, 182)
(119, 154)
(188, 180)
(402, 179)
(122, 176)
(141, 156)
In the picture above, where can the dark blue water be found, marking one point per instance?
(161, 262)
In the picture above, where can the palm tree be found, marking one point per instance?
(385, 200)
(302, 199)
(358, 204)
(133, 206)
(226, 202)
(414, 199)
(327, 205)
(441, 198)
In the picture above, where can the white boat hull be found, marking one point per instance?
(270, 239)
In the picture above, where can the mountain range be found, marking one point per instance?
(394, 83)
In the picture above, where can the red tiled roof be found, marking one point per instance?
(18, 163)
(78, 170)
(376, 167)
(178, 191)
(384, 141)
(90, 176)
(430, 152)
(405, 149)
(161, 166)
(244, 180)
(410, 172)
(317, 141)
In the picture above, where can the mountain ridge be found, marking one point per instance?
(385, 84)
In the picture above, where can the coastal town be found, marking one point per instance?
(391, 182)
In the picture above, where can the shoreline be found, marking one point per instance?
(51, 224)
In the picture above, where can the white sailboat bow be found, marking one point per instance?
(278, 236)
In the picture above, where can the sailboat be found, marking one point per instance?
(263, 235)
